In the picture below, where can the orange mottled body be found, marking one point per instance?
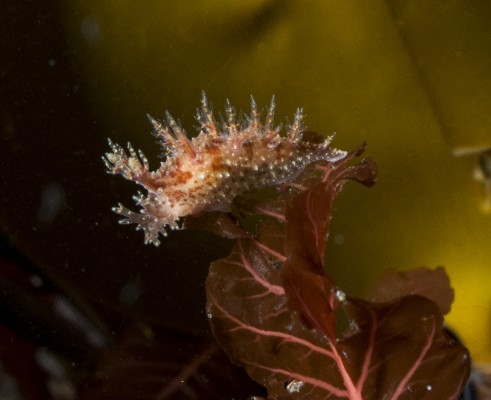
(207, 172)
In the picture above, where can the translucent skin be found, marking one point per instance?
(207, 172)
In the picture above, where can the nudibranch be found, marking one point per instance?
(207, 172)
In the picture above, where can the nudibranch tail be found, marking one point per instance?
(207, 172)
(149, 220)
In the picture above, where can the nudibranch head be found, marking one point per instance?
(207, 172)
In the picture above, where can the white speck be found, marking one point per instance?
(91, 30)
(69, 313)
(49, 362)
(294, 386)
(339, 239)
(428, 388)
(9, 385)
(52, 203)
(129, 293)
(209, 315)
(340, 295)
(36, 281)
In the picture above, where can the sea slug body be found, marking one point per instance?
(207, 172)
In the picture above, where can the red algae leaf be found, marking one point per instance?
(312, 295)
(308, 215)
(400, 350)
(394, 351)
(251, 321)
(431, 283)
(272, 308)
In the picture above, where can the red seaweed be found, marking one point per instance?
(274, 310)
(271, 304)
